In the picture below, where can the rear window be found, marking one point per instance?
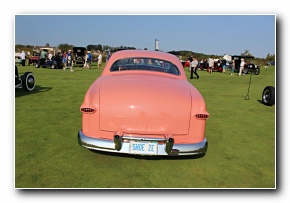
(145, 64)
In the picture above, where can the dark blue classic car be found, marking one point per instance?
(55, 62)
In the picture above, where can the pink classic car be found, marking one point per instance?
(143, 104)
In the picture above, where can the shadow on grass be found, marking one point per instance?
(172, 157)
(261, 102)
(19, 92)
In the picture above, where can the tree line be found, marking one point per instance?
(182, 54)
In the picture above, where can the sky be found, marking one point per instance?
(255, 34)
(207, 33)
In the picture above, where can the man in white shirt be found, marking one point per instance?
(210, 65)
(22, 56)
(193, 65)
(242, 64)
(49, 56)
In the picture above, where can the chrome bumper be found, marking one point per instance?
(119, 146)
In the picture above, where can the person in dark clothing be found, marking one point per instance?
(190, 60)
(205, 65)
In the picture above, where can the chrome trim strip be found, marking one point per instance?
(144, 138)
(117, 146)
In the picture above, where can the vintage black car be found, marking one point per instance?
(25, 81)
(79, 55)
(250, 67)
(55, 62)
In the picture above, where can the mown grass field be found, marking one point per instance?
(240, 132)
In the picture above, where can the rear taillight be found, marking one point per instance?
(88, 110)
(201, 116)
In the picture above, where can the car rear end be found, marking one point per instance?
(143, 114)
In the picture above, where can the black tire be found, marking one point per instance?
(28, 81)
(257, 72)
(37, 65)
(268, 96)
(246, 70)
(53, 66)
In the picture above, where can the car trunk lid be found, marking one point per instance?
(144, 105)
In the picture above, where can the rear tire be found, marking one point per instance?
(28, 81)
(268, 96)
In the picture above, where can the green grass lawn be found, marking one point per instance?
(240, 132)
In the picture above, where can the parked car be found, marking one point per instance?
(217, 66)
(17, 58)
(25, 81)
(272, 63)
(79, 55)
(250, 67)
(143, 104)
(54, 63)
(185, 63)
(34, 58)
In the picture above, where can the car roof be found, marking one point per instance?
(46, 48)
(240, 56)
(75, 48)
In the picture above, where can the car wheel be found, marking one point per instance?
(257, 71)
(268, 96)
(245, 71)
(37, 65)
(28, 81)
(53, 66)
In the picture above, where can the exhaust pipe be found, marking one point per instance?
(118, 142)
(169, 145)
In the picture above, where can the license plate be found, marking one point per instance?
(137, 147)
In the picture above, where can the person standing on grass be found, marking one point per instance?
(233, 67)
(99, 60)
(201, 64)
(69, 61)
(205, 64)
(190, 61)
(242, 65)
(23, 58)
(193, 66)
(224, 63)
(90, 59)
(86, 61)
(64, 59)
(108, 57)
(210, 65)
